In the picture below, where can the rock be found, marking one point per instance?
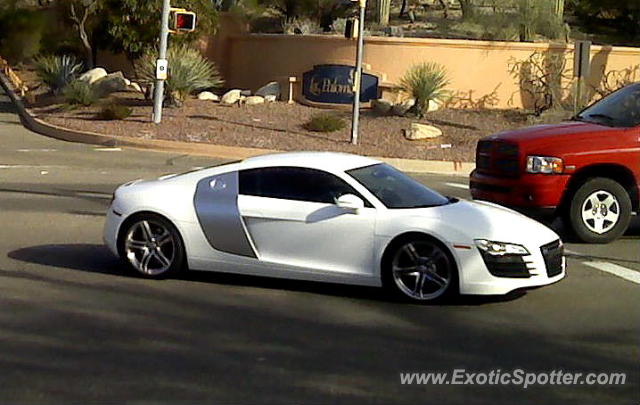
(135, 87)
(127, 81)
(254, 100)
(269, 89)
(434, 106)
(270, 98)
(245, 93)
(231, 97)
(111, 83)
(93, 75)
(207, 95)
(403, 108)
(381, 106)
(422, 131)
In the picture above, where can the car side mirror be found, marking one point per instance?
(350, 202)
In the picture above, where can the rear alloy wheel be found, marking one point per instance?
(420, 270)
(152, 247)
(600, 211)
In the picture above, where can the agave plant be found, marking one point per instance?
(57, 71)
(425, 82)
(189, 72)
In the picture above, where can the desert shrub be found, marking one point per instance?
(114, 111)
(301, 26)
(80, 93)
(520, 19)
(189, 72)
(57, 71)
(325, 122)
(425, 82)
(545, 81)
(20, 34)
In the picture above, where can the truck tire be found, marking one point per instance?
(600, 211)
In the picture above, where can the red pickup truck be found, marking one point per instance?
(586, 170)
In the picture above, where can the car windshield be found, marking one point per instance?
(619, 109)
(395, 189)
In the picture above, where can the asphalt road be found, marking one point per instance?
(75, 327)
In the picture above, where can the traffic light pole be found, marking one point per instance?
(358, 74)
(164, 39)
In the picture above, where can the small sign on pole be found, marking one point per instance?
(162, 66)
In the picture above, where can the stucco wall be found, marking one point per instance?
(479, 70)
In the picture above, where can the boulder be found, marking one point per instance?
(422, 131)
(270, 98)
(93, 75)
(111, 83)
(207, 95)
(434, 106)
(135, 87)
(254, 100)
(403, 108)
(245, 93)
(381, 106)
(269, 89)
(231, 97)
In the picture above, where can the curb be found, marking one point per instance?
(31, 122)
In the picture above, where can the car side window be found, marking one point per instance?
(295, 183)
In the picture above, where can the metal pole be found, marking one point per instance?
(164, 37)
(358, 75)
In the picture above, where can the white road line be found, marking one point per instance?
(616, 270)
(458, 185)
(37, 150)
(107, 149)
(92, 195)
(28, 167)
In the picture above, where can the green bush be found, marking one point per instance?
(57, 71)
(189, 72)
(114, 111)
(325, 122)
(80, 93)
(425, 82)
(20, 34)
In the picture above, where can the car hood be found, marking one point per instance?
(552, 134)
(484, 220)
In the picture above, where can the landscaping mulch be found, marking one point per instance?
(280, 126)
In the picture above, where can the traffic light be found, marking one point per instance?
(182, 20)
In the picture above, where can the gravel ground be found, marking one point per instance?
(280, 126)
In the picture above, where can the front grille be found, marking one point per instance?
(553, 254)
(507, 266)
(498, 158)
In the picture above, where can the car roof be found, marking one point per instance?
(328, 161)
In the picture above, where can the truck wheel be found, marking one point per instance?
(600, 211)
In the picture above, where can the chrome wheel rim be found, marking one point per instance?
(600, 212)
(150, 247)
(421, 270)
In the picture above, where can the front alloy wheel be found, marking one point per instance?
(600, 211)
(152, 247)
(421, 270)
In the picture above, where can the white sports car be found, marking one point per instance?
(329, 217)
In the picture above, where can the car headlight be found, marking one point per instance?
(544, 165)
(500, 248)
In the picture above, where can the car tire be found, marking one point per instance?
(599, 211)
(435, 279)
(151, 247)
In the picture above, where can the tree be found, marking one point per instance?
(468, 9)
(84, 8)
(133, 26)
